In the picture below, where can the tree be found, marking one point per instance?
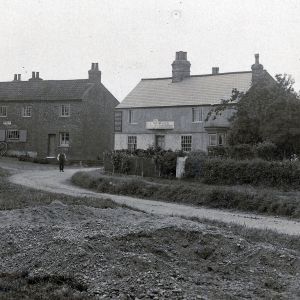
(268, 111)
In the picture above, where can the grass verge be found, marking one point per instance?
(259, 200)
(14, 196)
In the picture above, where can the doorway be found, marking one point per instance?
(51, 145)
(160, 141)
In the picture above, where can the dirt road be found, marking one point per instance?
(50, 179)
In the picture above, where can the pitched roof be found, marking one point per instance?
(194, 90)
(44, 90)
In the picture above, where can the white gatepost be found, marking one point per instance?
(180, 166)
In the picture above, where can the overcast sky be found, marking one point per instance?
(134, 39)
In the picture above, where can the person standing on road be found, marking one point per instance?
(61, 157)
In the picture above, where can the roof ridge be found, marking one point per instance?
(201, 75)
(44, 80)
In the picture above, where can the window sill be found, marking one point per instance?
(3, 116)
(133, 123)
(197, 122)
(26, 116)
(63, 146)
(64, 116)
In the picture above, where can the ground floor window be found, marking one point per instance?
(132, 142)
(217, 139)
(186, 143)
(64, 139)
(12, 134)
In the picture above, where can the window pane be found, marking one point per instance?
(213, 139)
(27, 110)
(64, 139)
(132, 142)
(186, 143)
(3, 111)
(65, 110)
(197, 114)
(131, 116)
(12, 134)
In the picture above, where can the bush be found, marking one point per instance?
(150, 162)
(266, 150)
(256, 172)
(194, 164)
(241, 151)
(166, 163)
(218, 151)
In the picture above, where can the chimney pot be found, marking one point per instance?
(256, 58)
(37, 75)
(215, 70)
(19, 77)
(33, 75)
(15, 77)
(96, 67)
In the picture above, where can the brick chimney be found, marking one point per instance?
(94, 73)
(215, 70)
(181, 67)
(257, 70)
(17, 77)
(35, 76)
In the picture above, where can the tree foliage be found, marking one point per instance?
(268, 111)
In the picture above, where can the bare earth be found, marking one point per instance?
(49, 179)
(82, 252)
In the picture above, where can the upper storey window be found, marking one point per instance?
(118, 121)
(3, 111)
(197, 114)
(27, 111)
(65, 110)
(131, 116)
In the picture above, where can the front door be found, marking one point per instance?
(51, 145)
(160, 141)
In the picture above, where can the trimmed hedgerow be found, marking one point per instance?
(240, 198)
(255, 172)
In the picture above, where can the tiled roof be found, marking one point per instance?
(195, 90)
(44, 90)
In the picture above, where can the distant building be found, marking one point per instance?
(171, 112)
(41, 117)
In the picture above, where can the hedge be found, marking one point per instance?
(255, 172)
(148, 163)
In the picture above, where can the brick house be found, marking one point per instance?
(41, 117)
(171, 112)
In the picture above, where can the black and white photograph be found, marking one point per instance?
(149, 149)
